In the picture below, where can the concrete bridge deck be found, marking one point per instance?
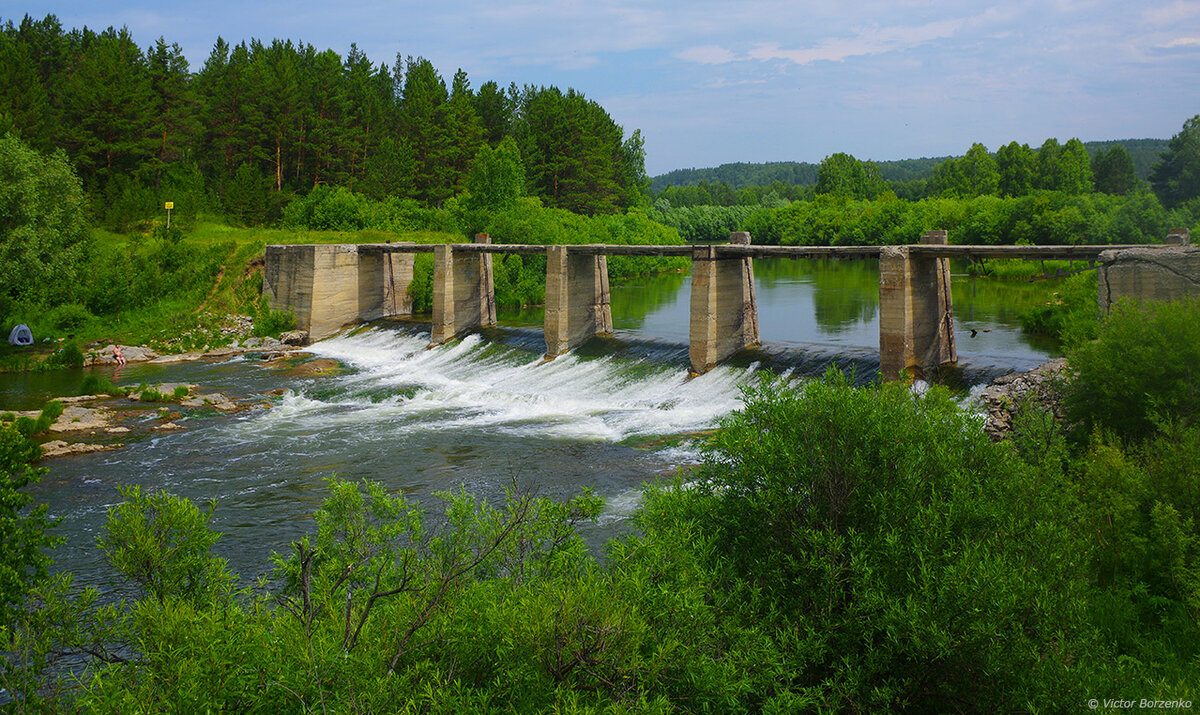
(330, 287)
(1046, 253)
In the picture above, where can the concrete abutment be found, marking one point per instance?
(724, 308)
(464, 295)
(577, 299)
(330, 287)
(1160, 273)
(916, 313)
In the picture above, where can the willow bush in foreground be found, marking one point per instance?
(897, 557)
(840, 549)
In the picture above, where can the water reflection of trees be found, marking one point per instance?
(643, 296)
(845, 292)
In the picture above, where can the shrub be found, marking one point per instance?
(22, 529)
(97, 385)
(163, 543)
(1141, 371)
(269, 322)
(1070, 315)
(68, 317)
(69, 355)
(892, 561)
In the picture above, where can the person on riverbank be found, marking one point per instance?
(118, 355)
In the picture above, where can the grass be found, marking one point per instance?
(1019, 269)
(172, 293)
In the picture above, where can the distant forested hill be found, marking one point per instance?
(1145, 152)
(741, 175)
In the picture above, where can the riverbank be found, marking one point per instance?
(102, 422)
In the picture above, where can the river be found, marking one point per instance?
(483, 412)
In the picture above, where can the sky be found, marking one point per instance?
(709, 83)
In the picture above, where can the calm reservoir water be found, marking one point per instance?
(483, 412)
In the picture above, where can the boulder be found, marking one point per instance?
(59, 448)
(132, 353)
(294, 337)
(1003, 397)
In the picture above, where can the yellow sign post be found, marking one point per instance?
(170, 205)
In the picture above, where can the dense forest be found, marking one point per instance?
(741, 175)
(1059, 193)
(261, 122)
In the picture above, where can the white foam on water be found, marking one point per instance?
(472, 385)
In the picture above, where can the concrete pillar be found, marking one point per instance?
(318, 284)
(577, 299)
(724, 310)
(464, 295)
(1149, 274)
(397, 277)
(916, 314)
(383, 281)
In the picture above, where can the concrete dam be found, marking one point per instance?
(331, 287)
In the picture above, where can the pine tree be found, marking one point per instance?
(1176, 176)
(1114, 171)
(174, 105)
(421, 126)
(108, 106)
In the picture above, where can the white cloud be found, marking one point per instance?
(869, 41)
(707, 55)
(1172, 13)
(1180, 42)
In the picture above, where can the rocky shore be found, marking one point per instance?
(1006, 394)
(93, 423)
(136, 353)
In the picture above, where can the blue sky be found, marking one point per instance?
(761, 80)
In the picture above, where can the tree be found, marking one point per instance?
(1075, 169)
(23, 532)
(1114, 171)
(975, 174)
(842, 175)
(497, 178)
(246, 196)
(1065, 167)
(1176, 176)
(1046, 166)
(173, 103)
(1016, 165)
(43, 232)
(496, 181)
(424, 94)
(464, 133)
(575, 154)
(495, 110)
(108, 104)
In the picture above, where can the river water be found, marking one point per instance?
(483, 412)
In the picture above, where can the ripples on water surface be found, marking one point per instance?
(477, 414)
(483, 413)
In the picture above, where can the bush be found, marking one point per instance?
(68, 317)
(270, 323)
(69, 355)
(164, 544)
(1070, 314)
(97, 385)
(1140, 372)
(890, 558)
(23, 560)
